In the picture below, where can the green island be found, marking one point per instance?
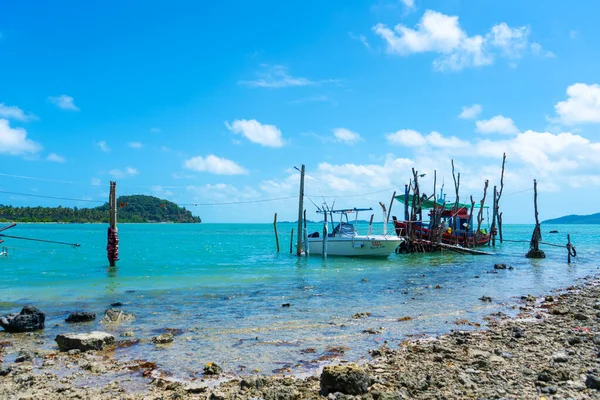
(575, 219)
(134, 208)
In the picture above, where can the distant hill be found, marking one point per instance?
(575, 219)
(135, 208)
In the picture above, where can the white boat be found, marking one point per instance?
(345, 240)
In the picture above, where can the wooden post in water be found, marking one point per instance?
(371, 225)
(480, 215)
(292, 242)
(276, 235)
(305, 234)
(494, 216)
(112, 247)
(300, 209)
(324, 254)
(569, 248)
(455, 228)
(497, 207)
(470, 224)
(390, 210)
(536, 236)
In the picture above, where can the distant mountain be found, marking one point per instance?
(575, 219)
(135, 208)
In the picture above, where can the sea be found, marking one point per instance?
(234, 300)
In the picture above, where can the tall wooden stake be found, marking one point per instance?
(536, 237)
(569, 248)
(305, 235)
(292, 242)
(470, 224)
(494, 216)
(276, 235)
(497, 199)
(456, 178)
(112, 246)
(480, 215)
(300, 209)
(325, 234)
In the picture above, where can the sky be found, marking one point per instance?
(211, 105)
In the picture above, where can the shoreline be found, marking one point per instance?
(549, 350)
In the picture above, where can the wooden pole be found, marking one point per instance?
(494, 216)
(371, 225)
(305, 234)
(568, 248)
(384, 218)
(390, 209)
(480, 215)
(112, 247)
(456, 178)
(324, 253)
(536, 237)
(300, 209)
(292, 242)
(469, 225)
(497, 208)
(276, 235)
(433, 222)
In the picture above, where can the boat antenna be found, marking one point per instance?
(318, 208)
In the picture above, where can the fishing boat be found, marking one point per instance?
(455, 226)
(345, 241)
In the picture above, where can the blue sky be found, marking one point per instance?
(216, 102)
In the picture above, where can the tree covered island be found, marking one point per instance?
(135, 208)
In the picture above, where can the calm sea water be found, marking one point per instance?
(224, 286)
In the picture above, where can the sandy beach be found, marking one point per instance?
(551, 350)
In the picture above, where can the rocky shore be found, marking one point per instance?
(550, 351)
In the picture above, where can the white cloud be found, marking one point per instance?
(360, 38)
(126, 173)
(497, 124)
(14, 112)
(406, 137)
(55, 158)
(214, 165)
(346, 136)
(14, 141)
(537, 50)
(412, 138)
(470, 112)
(276, 76)
(410, 4)
(442, 34)
(135, 145)
(102, 145)
(265, 135)
(581, 106)
(64, 102)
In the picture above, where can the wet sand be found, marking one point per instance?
(551, 350)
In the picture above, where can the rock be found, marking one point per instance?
(212, 369)
(163, 339)
(559, 310)
(500, 266)
(548, 299)
(80, 316)
(593, 382)
(114, 315)
(85, 341)
(361, 315)
(74, 352)
(486, 298)
(560, 357)
(575, 340)
(580, 317)
(549, 389)
(518, 332)
(511, 268)
(347, 379)
(529, 299)
(116, 304)
(24, 356)
(254, 382)
(5, 371)
(286, 305)
(127, 334)
(28, 320)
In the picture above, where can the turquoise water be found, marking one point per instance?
(224, 285)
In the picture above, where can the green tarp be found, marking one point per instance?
(428, 204)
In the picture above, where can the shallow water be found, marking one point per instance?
(224, 286)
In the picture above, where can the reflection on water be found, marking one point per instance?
(226, 293)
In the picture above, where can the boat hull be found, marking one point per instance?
(359, 246)
(447, 238)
